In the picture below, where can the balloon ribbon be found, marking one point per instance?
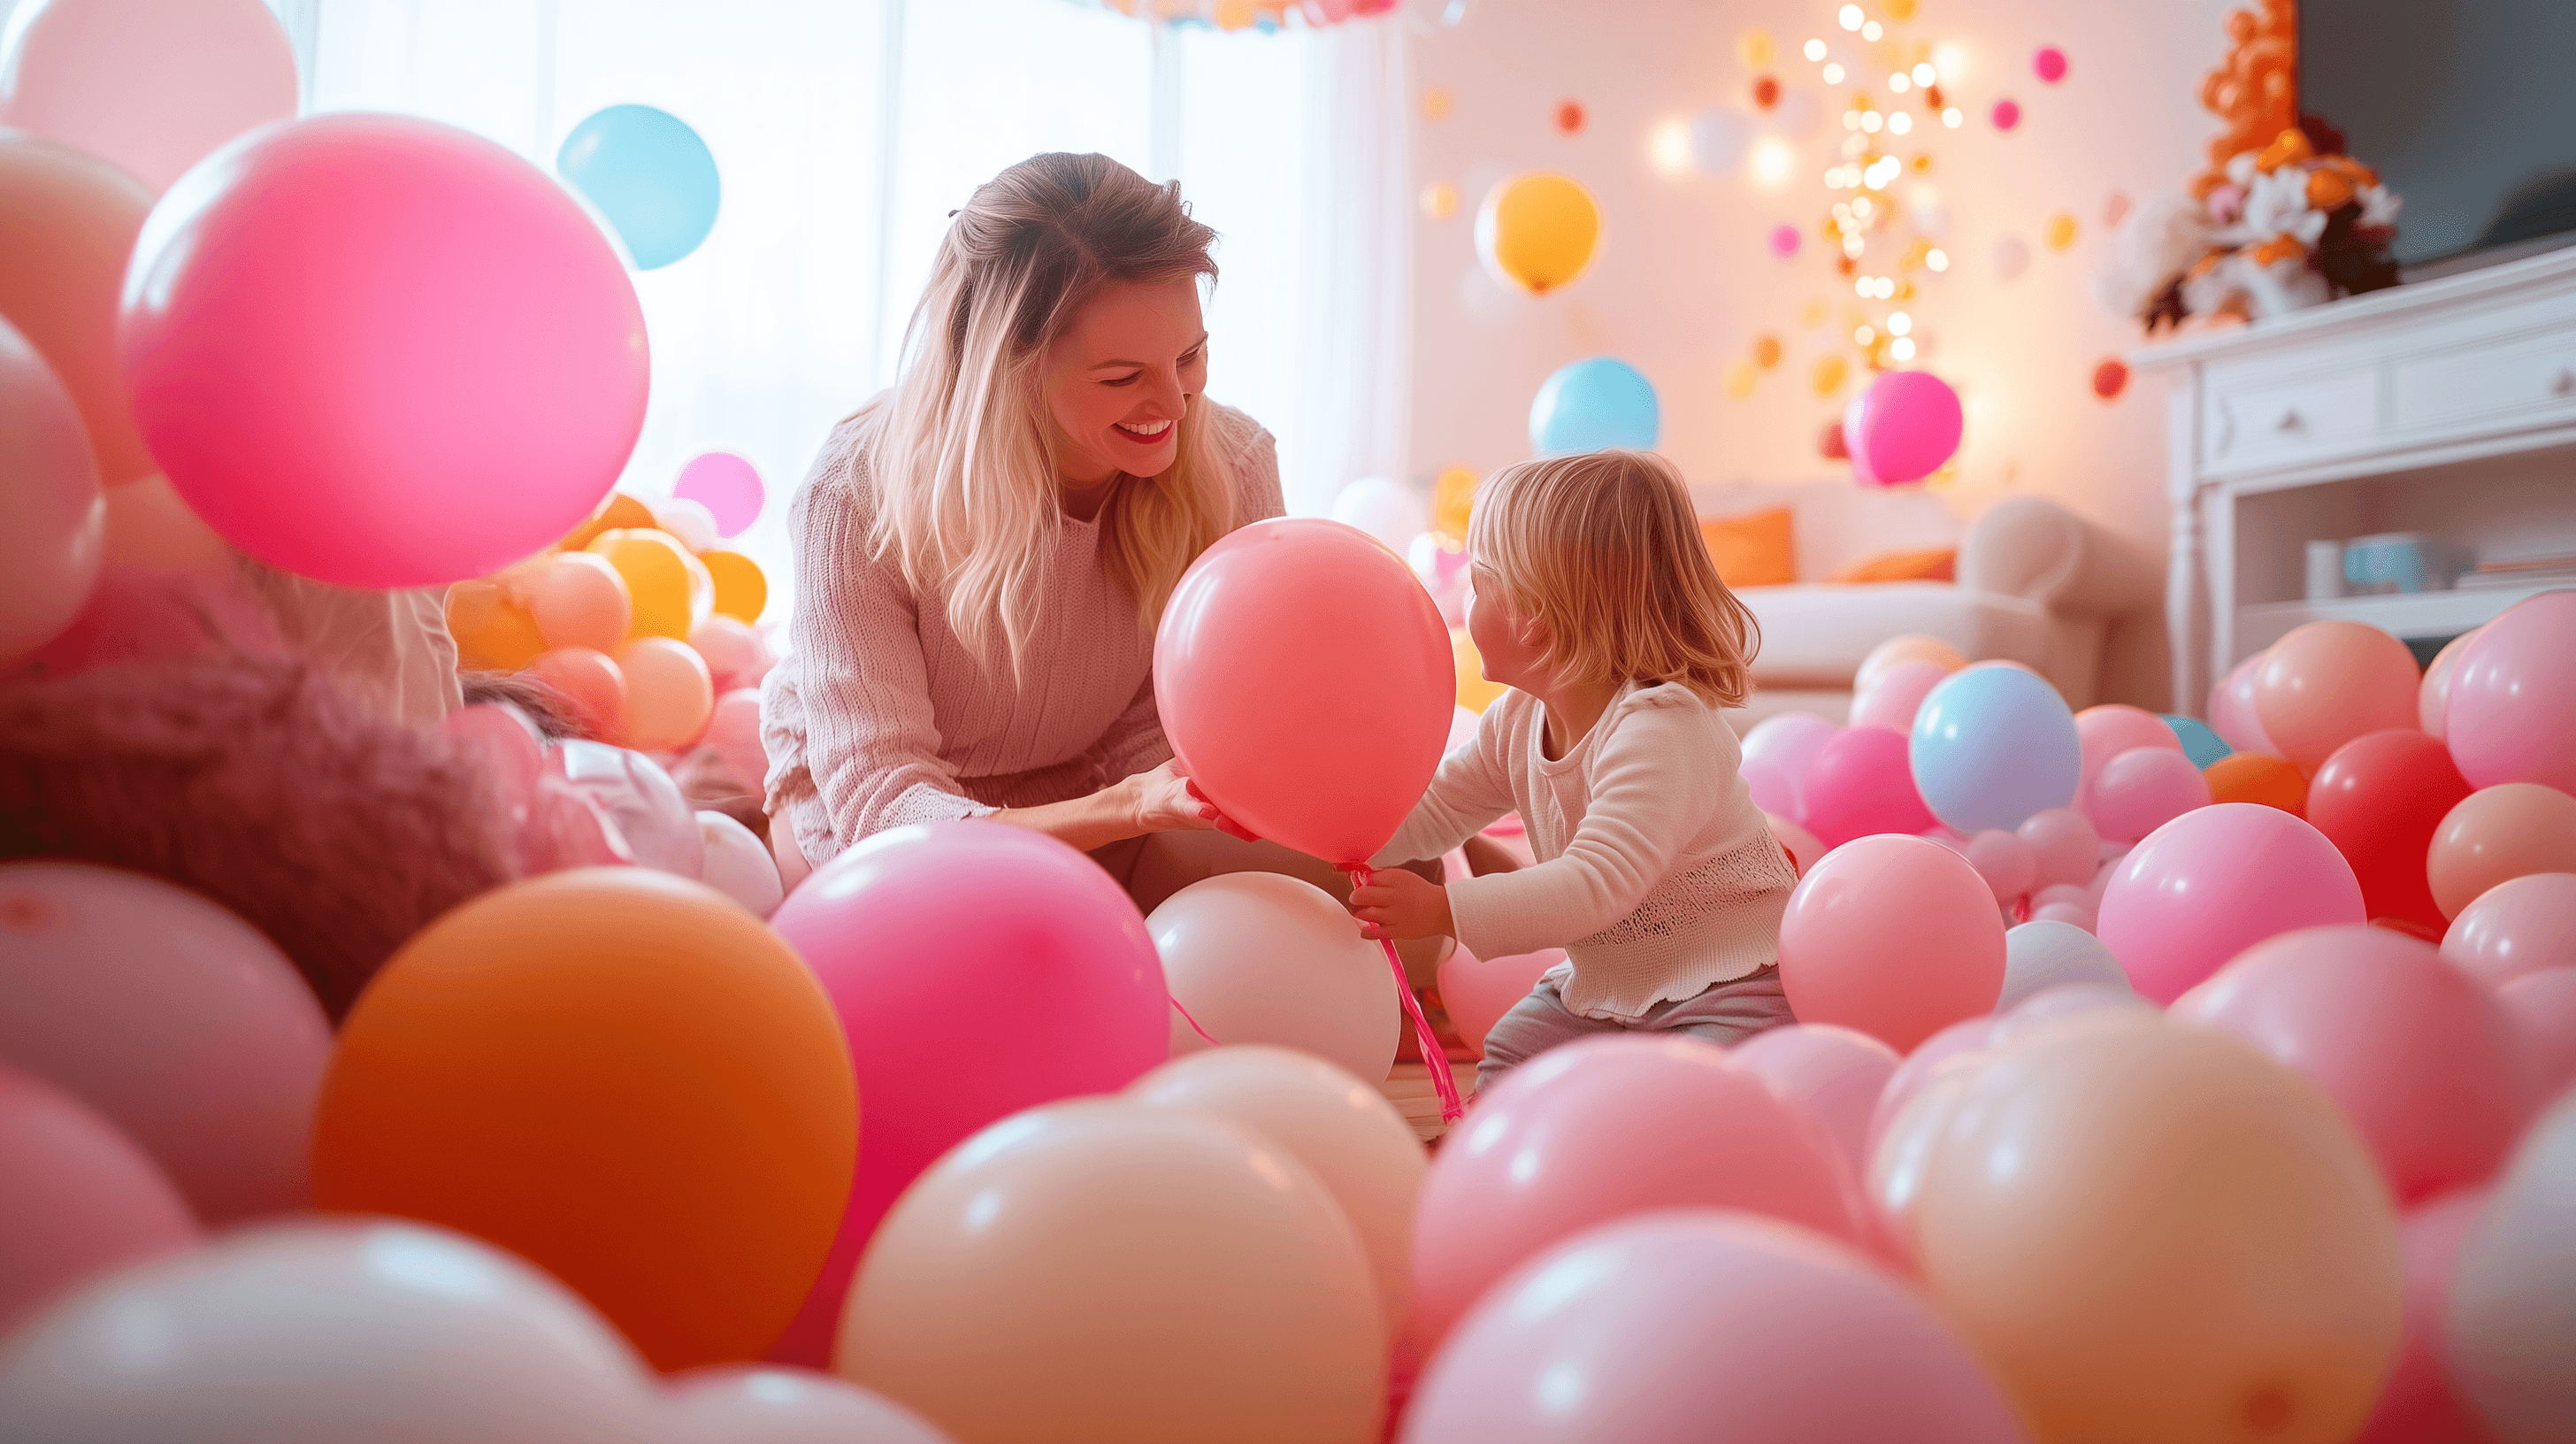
(1193, 1022)
(1434, 1056)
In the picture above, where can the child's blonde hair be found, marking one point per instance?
(1605, 549)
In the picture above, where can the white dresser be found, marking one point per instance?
(2447, 407)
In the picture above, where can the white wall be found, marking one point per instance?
(1683, 282)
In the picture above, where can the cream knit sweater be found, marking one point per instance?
(879, 716)
(1655, 873)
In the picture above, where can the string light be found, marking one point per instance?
(1937, 259)
(1902, 348)
(1899, 83)
(1872, 30)
(1951, 117)
(1851, 120)
(1871, 120)
(1833, 75)
(1861, 288)
(1898, 323)
(1668, 149)
(1773, 160)
(1816, 50)
(1924, 74)
(1861, 207)
(1850, 17)
(1862, 335)
(1900, 123)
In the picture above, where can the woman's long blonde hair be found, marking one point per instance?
(963, 454)
(1605, 549)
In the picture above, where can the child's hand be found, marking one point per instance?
(1398, 904)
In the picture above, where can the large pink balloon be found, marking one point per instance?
(171, 1017)
(1600, 1129)
(1861, 782)
(56, 533)
(2433, 694)
(2417, 1404)
(2231, 709)
(978, 969)
(2144, 788)
(2521, 925)
(1834, 1074)
(81, 1200)
(382, 352)
(152, 85)
(1777, 754)
(2414, 1052)
(1479, 991)
(1691, 1325)
(2109, 730)
(2511, 716)
(1306, 684)
(2543, 1009)
(2214, 882)
(1902, 427)
(1894, 936)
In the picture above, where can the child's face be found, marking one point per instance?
(1507, 644)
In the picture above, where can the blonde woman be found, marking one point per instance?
(984, 550)
(1596, 603)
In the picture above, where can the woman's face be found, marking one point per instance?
(1121, 376)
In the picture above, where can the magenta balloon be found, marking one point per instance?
(81, 1200)
(2214, 882)
(149, 85)
(2144, 788)
(727, 485)
(1902, 428)
(1691, 1325)
(1859, 783)
(2511, 715)
(2231, 710)
(978, 969)
(2415, 1053)
(382, 352)
(1835, 1074)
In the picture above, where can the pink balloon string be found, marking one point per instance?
(1193, 1022)
(1434, 1056)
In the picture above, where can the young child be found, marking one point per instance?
(1595, 601)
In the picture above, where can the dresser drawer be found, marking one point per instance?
(2262, 422)
(2445, 388)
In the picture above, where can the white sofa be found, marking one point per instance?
(2036, 584)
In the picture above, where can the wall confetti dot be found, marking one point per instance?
(1898, 9)
(2114, 209)
(1766, 91)
(2110, 379)
(1436, 102)
(2007, 114)
(1830, 444)
(2049, 64)
(2010, 257)
(1754, 48)
(1812, 314)
(1739, 380)
(1830, 373)
(1569, 116)
(1784, 241)
(2061, 231)
(1766, 351)
(1440, 200)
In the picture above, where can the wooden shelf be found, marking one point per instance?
(2405, 614)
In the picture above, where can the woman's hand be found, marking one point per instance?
(1166, 801)
(1400, 904)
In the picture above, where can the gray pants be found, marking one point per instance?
(1726, 1014)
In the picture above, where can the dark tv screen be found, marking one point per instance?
(2466, 108)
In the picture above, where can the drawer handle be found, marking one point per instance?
(2290, 421)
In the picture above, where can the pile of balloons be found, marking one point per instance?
(1266, 16)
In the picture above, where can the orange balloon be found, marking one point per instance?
(2497, 834)
(2258, 777)
(670, 589)
(1895, 652)
(622, 1077)
(617, 511)
(2156, 1232)
(1537, 231)
(1097, 1269)
(579, 600)
(151, 529)
(741, 591)
(669, 694)
(591, 682)
(2328, 682)
(493, 631)
(67, 223)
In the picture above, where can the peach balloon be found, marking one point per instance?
(2144, 788)
(1479, 991)
(2495, 835)
(2154, 1232)
(152, 85)
(49, 550)
(1892, 935)
(733, 730)
(1896, 651)
(669, 695)
(82, 1200)
(1261, 957)
(1101, 1270)
(2522, 925)
(494, 630)
(2328, 682)
(72, 222)
(150, 529)
(1834, 1074)
(747, 1404)
(2109, 730)
(688, 520)
(579, 600)
(2511, 713)
(1961, 1039)
(2433, 695)
(669, 590)
(732, 649)
(1343, 1130)
(591, 682)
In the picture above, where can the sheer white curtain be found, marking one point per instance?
(846, 130)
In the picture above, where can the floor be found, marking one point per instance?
(1409, 1089)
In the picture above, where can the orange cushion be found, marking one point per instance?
(1753, 550)
(1933, 564)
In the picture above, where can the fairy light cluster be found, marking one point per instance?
(1873, 220)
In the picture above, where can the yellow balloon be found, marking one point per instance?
(1739, 380)
(1537, 231)
(2061, 231)
(615, 511)
(1474, 692)
(741, 591)
(1453, 502)
(1753, 47)
(1830, 373)
(671, 589)
(1440, 200)
(494, 632)
(1435, 102)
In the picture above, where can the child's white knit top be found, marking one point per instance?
(1655, 873)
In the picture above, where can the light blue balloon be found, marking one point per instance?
(649, 174)
(1992, 745)
(1591, 404)
(2199, 744)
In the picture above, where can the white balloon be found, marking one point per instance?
(656, 821)
(687, 519)
(1385, 509)
(1717, 141)
(325, 1332)
(2049, 953)
(756, 1404)
(2511, 1326)
(1261, 957)
(738, 865)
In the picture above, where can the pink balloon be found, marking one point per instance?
(1784, 241)
(51, 547)
(1602, 1128)
(654, 819)
(2417, 1055)
(152, 85)
(2231, 710)
(732, 651)
(2007, 863)
(1778, 752)
(1901, 427)
(1962, 1039)
(1895, 936)
(2327, 683)
(1479, 991)
(1803, 847)
(2521, 925)
(734, 732)
(81, 1200)
(174, 1019)
(2214, 882)
(1689, 1325)
(2511, 716)
(2543, 1009)
(2109, 730)
(1894, 697)
(728, 486)
(1319, 612)
(2144, 788)
(2416, 1403)
(978, 969)
(382, 352)
(745, 1404)
(2063, 845)
(1834, 1074)
(2433, 694)
(1861, 782)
